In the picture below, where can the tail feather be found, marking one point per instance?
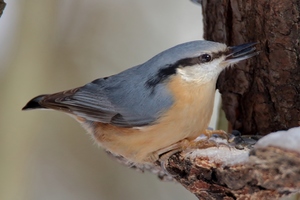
(34, 103)
(51, 101)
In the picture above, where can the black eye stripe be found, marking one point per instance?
(203, 58)
(170, 69)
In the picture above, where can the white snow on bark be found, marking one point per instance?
(222, 154)
(289, 140)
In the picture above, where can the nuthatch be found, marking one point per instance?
(153, 108)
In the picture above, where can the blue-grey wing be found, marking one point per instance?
(121, 100)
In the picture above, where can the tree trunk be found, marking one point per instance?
(262, 94)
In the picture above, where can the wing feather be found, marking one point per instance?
(109, 100)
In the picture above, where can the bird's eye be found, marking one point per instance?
(204, 58)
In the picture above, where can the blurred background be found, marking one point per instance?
(54, 45)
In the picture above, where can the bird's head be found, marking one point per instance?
(201, 61)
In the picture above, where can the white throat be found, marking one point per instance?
(201, 73)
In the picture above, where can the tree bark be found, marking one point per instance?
(270, 170)
(259, 95)
(2, 6)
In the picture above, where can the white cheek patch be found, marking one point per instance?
(202, 73)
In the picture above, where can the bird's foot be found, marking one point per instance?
(212, 140)
(222, 134)
(233, 140)
(217, 138)
(201, 143)
(241, 142)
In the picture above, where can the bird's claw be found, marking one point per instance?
(234, 139)
(217, 133)
(244, 141)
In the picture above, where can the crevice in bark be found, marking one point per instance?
(228, 23)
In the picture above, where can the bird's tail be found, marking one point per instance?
(56, 101)
(35, 103)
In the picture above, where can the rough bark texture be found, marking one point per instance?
(269, 173)
(2, 6)
(260, 95)
(264, 172)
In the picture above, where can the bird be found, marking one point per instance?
(154, 108)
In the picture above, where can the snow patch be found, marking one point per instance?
(289, 140)
(223, 154)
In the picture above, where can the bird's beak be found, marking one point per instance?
(240, 52)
